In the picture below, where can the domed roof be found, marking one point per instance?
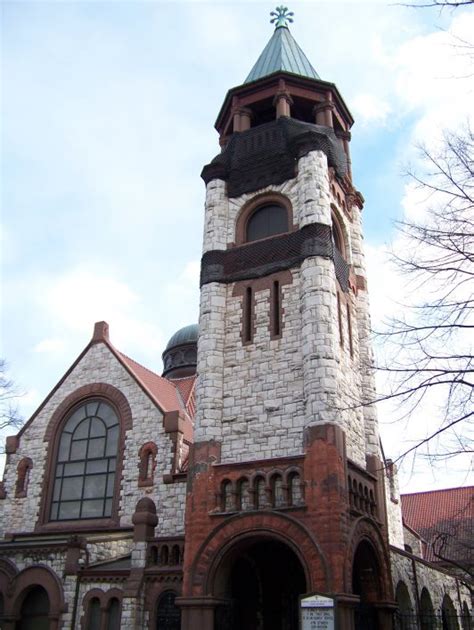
(188, 334)
(180, 355)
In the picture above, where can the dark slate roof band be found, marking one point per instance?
(270, 255)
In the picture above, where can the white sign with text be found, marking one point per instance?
(317, 613)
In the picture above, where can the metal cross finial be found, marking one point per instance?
(281, 16)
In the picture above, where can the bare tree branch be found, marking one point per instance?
(9, 395)
(431, 344)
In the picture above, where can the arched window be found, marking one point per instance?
(168, 615)
(466, 617)
(113, 614)
(164, 555)
(405, 619)
(86, 462)
(427, 617)
(260, 493)
(174, 560)
(94, 614)
(147, 464)
(278, 496)
(243, 497)
(35, 610)
(227, 502)
(267, 220)
(23, 477)
(103, 610)
(338, 236)
(295, 496)
(448, 614)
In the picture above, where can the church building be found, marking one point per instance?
(244, 488)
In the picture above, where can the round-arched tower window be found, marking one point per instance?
(267, 220)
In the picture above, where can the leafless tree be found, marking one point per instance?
(440, 4)
(431, 345)
(9, 394)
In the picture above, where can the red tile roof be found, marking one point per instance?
(447, 512)
(185, 386)
(162, 391)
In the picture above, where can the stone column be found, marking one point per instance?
(283, 102)
(245, 118)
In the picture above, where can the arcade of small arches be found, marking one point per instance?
(165, 554)
(262, 490)
(361, 497)
(411, 614)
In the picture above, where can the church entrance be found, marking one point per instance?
(261, 581)
(34, 614)
(366, 584)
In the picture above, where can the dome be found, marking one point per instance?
(180, 355)
(188, 334)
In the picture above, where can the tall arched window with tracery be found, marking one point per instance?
(86, 461)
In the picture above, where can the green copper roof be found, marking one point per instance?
(282, 54)
(188, 334)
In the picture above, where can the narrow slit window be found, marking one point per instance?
(276, 323)
(349, 330)
(248, 307)
(339, 320)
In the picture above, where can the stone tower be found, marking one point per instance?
(285, 491)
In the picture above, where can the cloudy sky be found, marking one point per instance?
(108, 113)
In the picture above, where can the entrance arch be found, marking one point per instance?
(34, 611)
(366, 583)
(260, 579)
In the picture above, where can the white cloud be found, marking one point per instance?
(369, 108)
(50, 346)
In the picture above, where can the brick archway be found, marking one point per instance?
(365, 530)
(262, 525)
(43, 576)
(368, 576)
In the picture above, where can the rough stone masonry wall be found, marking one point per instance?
(97, 549)
(366, 357)
(258, 398)
(99, 365)
(263, 413)
(438, 583)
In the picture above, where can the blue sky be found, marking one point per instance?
(107, 113)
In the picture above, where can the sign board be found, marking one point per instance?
(317, 612)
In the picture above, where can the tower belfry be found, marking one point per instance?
(286, 488)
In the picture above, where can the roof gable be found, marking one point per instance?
(162, 392)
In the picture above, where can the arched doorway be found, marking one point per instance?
(168, 615)
(366, 583)
(34, 612)
(261, 580)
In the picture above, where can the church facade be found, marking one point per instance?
(215, 496)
